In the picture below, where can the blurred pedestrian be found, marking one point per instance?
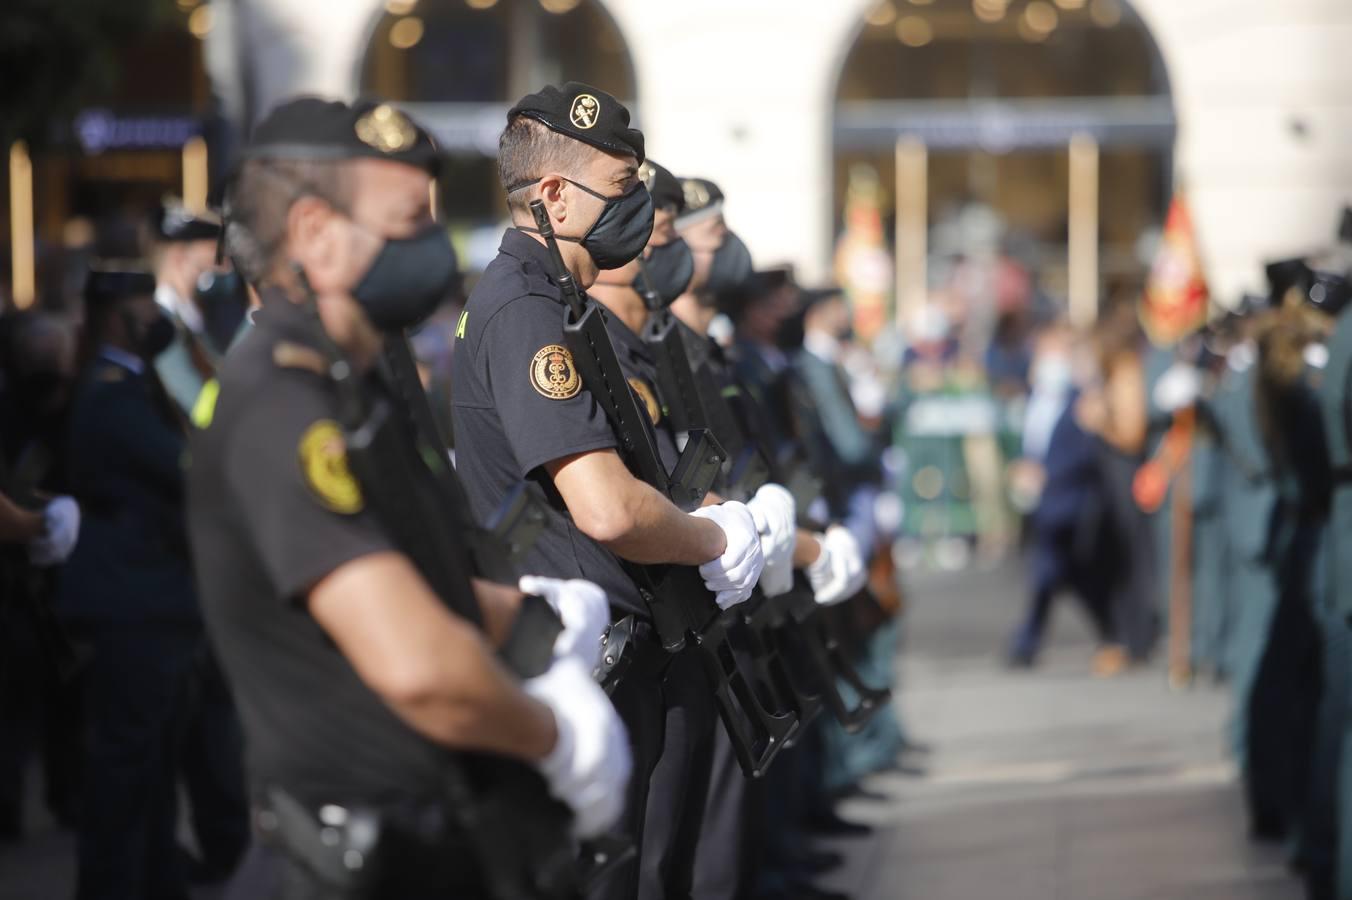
(128, 591)
(185, 251)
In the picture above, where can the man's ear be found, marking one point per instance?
(552, 188)
(312, 239)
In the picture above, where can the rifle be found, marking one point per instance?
(788, 627)
(683, 611)
(519, 833)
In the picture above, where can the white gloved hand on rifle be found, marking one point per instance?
(775, 513)
(838, 573)
(585, 612)
(733, 575)
(589, 767)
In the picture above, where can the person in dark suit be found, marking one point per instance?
(127, 591)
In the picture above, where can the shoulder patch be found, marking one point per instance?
(649, 398)
(462, 324)
(323, 464)
(553, 374)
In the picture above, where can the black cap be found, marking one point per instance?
(1285, 274)
(314, 128)
(1329, 292)
(173, 222)
(585, 114)
(664, 187)
(703, 200)
(110, 282)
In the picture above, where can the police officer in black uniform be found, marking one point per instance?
(521, 412)
(355, 681)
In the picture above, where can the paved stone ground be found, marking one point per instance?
(1042, 785)
(1049, 784)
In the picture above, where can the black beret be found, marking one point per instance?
(1329, 292)
(585, 114)
(173, 222)
(1285, 274)
(111, 282)
(703, 200)
(314, 128)
(664, 187)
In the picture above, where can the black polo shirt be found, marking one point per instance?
(519, 403)
(273, 509)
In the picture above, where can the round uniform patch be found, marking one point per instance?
(323, 462)
(645, 393)
(553, 374)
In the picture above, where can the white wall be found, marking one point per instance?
(742, 90)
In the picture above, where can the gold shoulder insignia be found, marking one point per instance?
(323, 464)
(553, 374)
(386, 129)
(696, 195)
(287, 355)
(462, 324)
(649, 398)
(111, 374)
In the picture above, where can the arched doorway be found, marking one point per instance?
(458, 65)
(1018, 129)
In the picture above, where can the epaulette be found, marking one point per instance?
(289, 355)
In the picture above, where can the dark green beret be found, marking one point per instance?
(314, 128)
(585, 114)
(664, 187)
(109, 282)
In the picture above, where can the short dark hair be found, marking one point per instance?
(261, 196)
(528, 150)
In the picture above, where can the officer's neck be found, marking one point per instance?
(625, 303)
(578, 261)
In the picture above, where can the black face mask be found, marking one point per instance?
(150, 339)
(622, 230)
(408, 279)
(731, 266)
(667, 272)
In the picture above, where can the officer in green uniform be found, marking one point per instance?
(368, 696)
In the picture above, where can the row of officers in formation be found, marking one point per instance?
(1250, 483)
(630, 644)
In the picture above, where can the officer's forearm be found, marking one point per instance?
(434, 670)
(499, 605)
(805, 549)
(628, 516)
(18, 525)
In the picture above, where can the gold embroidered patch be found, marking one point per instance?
(649, 398)
(585, 111)
(323, 462)
(553, 374)
(646, 174)
(386, 129)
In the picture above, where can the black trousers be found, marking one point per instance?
(137, 695)
(213, 770)
(723, 856)
(671, 720)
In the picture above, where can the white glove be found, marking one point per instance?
(585, 612)
(838, 573)
(61, 519)
(589, 767)
(1177, 388)
(774, 512)
(733, 575)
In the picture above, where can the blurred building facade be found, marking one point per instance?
(1072, 122)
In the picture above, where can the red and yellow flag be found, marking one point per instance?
(1175, 301)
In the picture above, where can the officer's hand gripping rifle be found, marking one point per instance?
(682, 609)
(791, 626)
